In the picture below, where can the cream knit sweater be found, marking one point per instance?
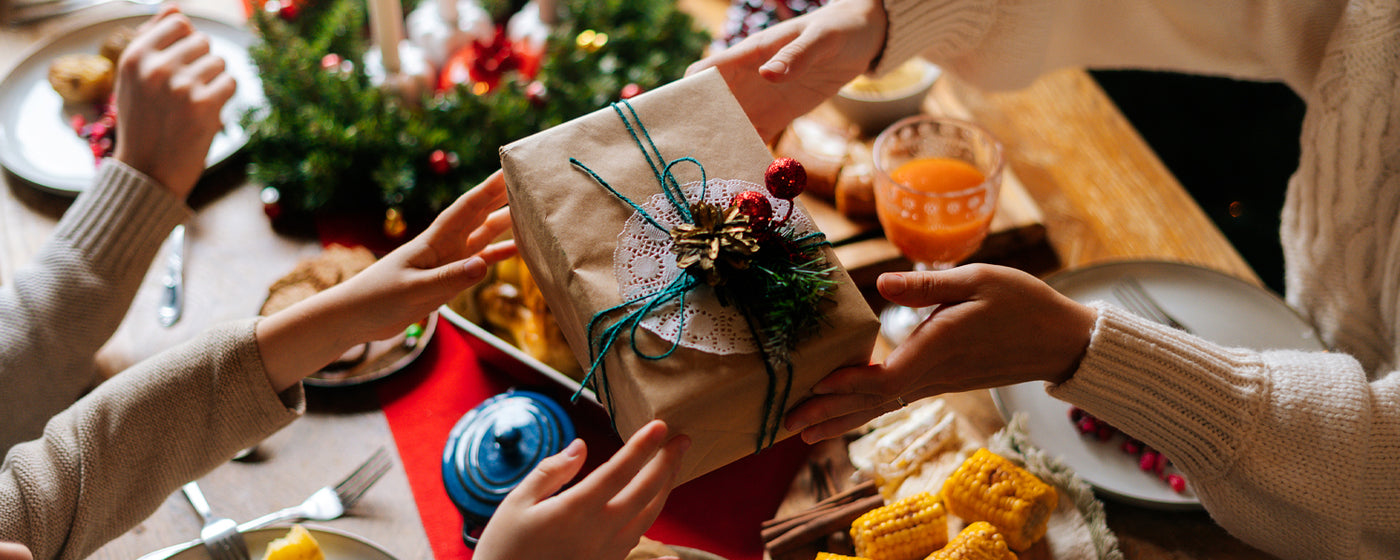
(1296, 453)
(108, 461)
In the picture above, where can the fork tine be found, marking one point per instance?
(354, 486)
(1137, 300)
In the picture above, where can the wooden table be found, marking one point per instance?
(1104, 196)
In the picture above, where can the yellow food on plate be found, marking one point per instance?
(512, 306)
(978, 541)
(830, 556)
(82, 78)
(902, 79)
(297, 545)
(116, 42)
(987, 487)
(908, 529)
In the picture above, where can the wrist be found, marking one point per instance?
(1079, 332)
(300, 340)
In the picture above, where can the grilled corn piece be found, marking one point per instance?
(989, 488)
(909, 529)
(830, 556)
(978, 541)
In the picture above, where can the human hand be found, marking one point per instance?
(783, 72)
(403, 287)
(169, 91)
(15, 551)
(600, 518)
(994, 326)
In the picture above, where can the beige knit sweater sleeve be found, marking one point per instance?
(111, 459)
(62, 307)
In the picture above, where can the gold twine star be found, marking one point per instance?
(717, 236)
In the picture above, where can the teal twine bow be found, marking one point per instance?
(599, 345)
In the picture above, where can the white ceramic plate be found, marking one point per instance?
(1213, 305)
(554, 375)
(336, 545)
(37, 142)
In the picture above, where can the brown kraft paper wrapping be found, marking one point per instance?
(567, 227)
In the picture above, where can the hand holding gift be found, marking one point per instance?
(688, 290)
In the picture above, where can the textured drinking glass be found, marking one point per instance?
(936, 186)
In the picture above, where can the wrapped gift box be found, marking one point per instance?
(568, 227)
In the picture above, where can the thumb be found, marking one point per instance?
(551, 474)
(454, 277)
(793, 59)
(925, 288)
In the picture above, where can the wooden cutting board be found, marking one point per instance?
(1018, 225)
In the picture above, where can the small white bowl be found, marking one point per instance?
(873, 104)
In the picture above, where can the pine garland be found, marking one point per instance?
(328, 140)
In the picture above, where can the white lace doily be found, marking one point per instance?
(644, 264)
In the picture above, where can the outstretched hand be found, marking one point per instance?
(994, 326)
(785, 71)
(170, 89)
(405, 286)
(600, 518)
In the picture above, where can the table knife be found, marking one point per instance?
(173, 281)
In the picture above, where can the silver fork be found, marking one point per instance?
(331, 502)
(325, 504)
(1137, 300)
(220, 534)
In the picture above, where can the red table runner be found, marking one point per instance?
(718, 513)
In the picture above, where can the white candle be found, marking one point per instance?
(386, 28)
(448, 10)
(549, 11)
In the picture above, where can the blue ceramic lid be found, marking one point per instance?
(495, 445)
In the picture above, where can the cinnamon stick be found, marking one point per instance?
(829, 521)
(863, 489)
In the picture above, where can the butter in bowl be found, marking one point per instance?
(873, 103)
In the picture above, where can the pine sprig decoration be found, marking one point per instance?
(329, 140)
(782, 290)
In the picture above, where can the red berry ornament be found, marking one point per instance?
(271, 199)
(441, 162)
(330, 62)
(631, 90)
(289, 11)
(755, 205)
(536, 93)
(785, 178)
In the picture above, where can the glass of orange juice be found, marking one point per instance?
(936, 186)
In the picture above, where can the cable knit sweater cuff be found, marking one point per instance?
(1193, 400)
(942, 28)
(121, 217)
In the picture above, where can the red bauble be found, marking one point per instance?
(536, 93)
(785, 178)
(630, 90)
(289, 11)
(441, 161)
(755, 205)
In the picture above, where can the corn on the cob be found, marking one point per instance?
(909, 529)
(989, 488)
(978, 541)
(830, 556)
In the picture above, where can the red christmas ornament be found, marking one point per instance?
(330, 62)
(631, 90)
(289, 11)
(441, 162)
(755, 205)
(785, 178)
(536, 93)
(271, 200)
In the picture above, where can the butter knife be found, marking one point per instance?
(173, 282)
